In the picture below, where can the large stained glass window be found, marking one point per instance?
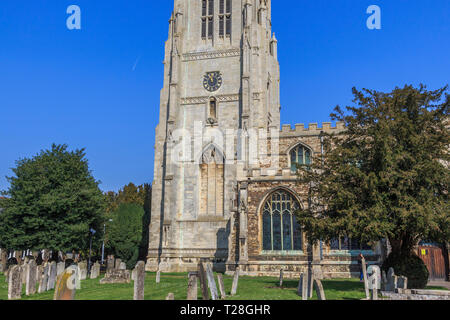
(281, 232)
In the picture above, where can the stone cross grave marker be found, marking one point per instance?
(192, 292)
(235, 281)
(66, 284)
(43, 281)
(15, 283)
(221, 286)
(319, 289)
(139, 281)
(211, 282)
(30, 288)
(203, 284)
(52, 274)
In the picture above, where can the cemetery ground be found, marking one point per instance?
(250, 288)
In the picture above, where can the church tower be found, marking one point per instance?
(221, 79)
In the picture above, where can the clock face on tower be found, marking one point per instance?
(212, 81)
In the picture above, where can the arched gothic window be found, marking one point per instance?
(300, 155)
(211, 182)
(280, 228)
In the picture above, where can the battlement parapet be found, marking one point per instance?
(313, 129)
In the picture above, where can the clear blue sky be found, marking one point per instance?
(98, 88)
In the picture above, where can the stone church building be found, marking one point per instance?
(225, 187)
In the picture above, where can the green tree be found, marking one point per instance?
(125, 234)
(387, 176)
(53, 201)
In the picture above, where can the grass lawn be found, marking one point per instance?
(249, 288)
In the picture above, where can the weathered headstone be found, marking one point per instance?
(52, 274)
(110, 262)
(82, 270)
(374, 281)
(116, 276)
(139, 281)
(390, 280)
(211, 282)
(402, 282)
(123, 266)
(30, 287)
(18, 256)
(302, 288)
(170, 296)
(203, 281)
(66, 284)
(221, 286)
(118, 262)
(281, 277)
(192, 292)
(24, 272)
(235, 281)
(158, 276)
(383, 280)
(319, 289)
(15, 283)
(60, 267)
(43, 281)
(95, 271)
(366, 281)
(3, 260)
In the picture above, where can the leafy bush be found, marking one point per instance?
(410, 266)
(126, 233)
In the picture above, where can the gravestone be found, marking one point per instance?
(319, 289)
(170, 296)
(302, 288)
(390, 280)
(116, 276)
(117, 265)
(402, 283)
(110, 262)
(15, 283)
(221, 286)
(374, 281)
(95, 271)
(43, 280)
(3, 260)
(24, 272)
(158, 276)
(52, 274)
(235, 281)
(211, 282)
(139, 281)
(82, 270)
(66, 284)
(39, 271)
(366, 281)
(18, 256)
(203, 284)
(60, 267)
(192, 292)
(383, 280)
(281, 277)
(30, 287)
(122, 266)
